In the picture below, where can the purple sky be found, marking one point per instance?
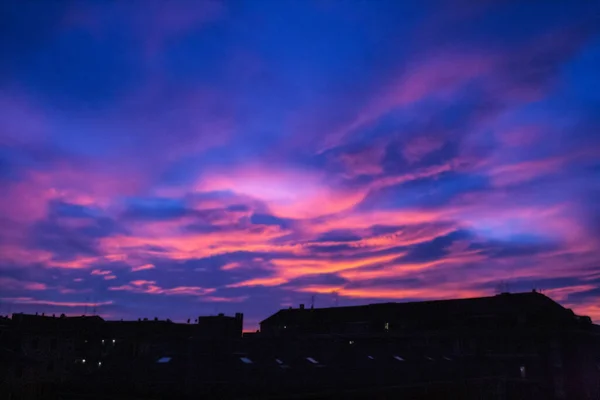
(175, 159)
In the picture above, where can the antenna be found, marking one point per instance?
(312, 301)
(502, 287)
(94, 306)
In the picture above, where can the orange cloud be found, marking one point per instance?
(275, 281)
(379, 292)
(230, 266)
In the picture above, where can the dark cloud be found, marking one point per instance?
(266, 219)
(435, 249)
(155, 209)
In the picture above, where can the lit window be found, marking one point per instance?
(285, 327)
(371, 357)
(399, 358)
(523, 371)
(83, 361)
(386, 326)
(102, 341)
(114, 341)
(99, 363)
(351, 342)
(312, 360)
(164, 360)
(246, 360)
(278, 361)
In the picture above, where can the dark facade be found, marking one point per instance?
(526, 334)
(221, 325)
(41, 353)
(515, 310)
(510, 346)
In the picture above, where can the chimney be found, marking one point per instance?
(302, 306)
(239, 319)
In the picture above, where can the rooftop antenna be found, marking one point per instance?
(502, 287)
(94, 306)
(312, 301)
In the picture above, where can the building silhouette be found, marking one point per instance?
(508, 346)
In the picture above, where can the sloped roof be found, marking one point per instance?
(499, 304)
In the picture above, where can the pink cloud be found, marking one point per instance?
(150, 287)
(142, 267)
(274, 281)
(230, 266)
(288, 193)
(519, 137)
(415, 149)
(382, 292)
(439, 75)
(100, 272)
(367, 161)
(218, 299)
(15, 284)
(29, 300)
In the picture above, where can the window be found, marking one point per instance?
(163, 360)
(523, 372)
(351, 342)
(386, 326)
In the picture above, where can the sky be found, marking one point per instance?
(173, 159)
